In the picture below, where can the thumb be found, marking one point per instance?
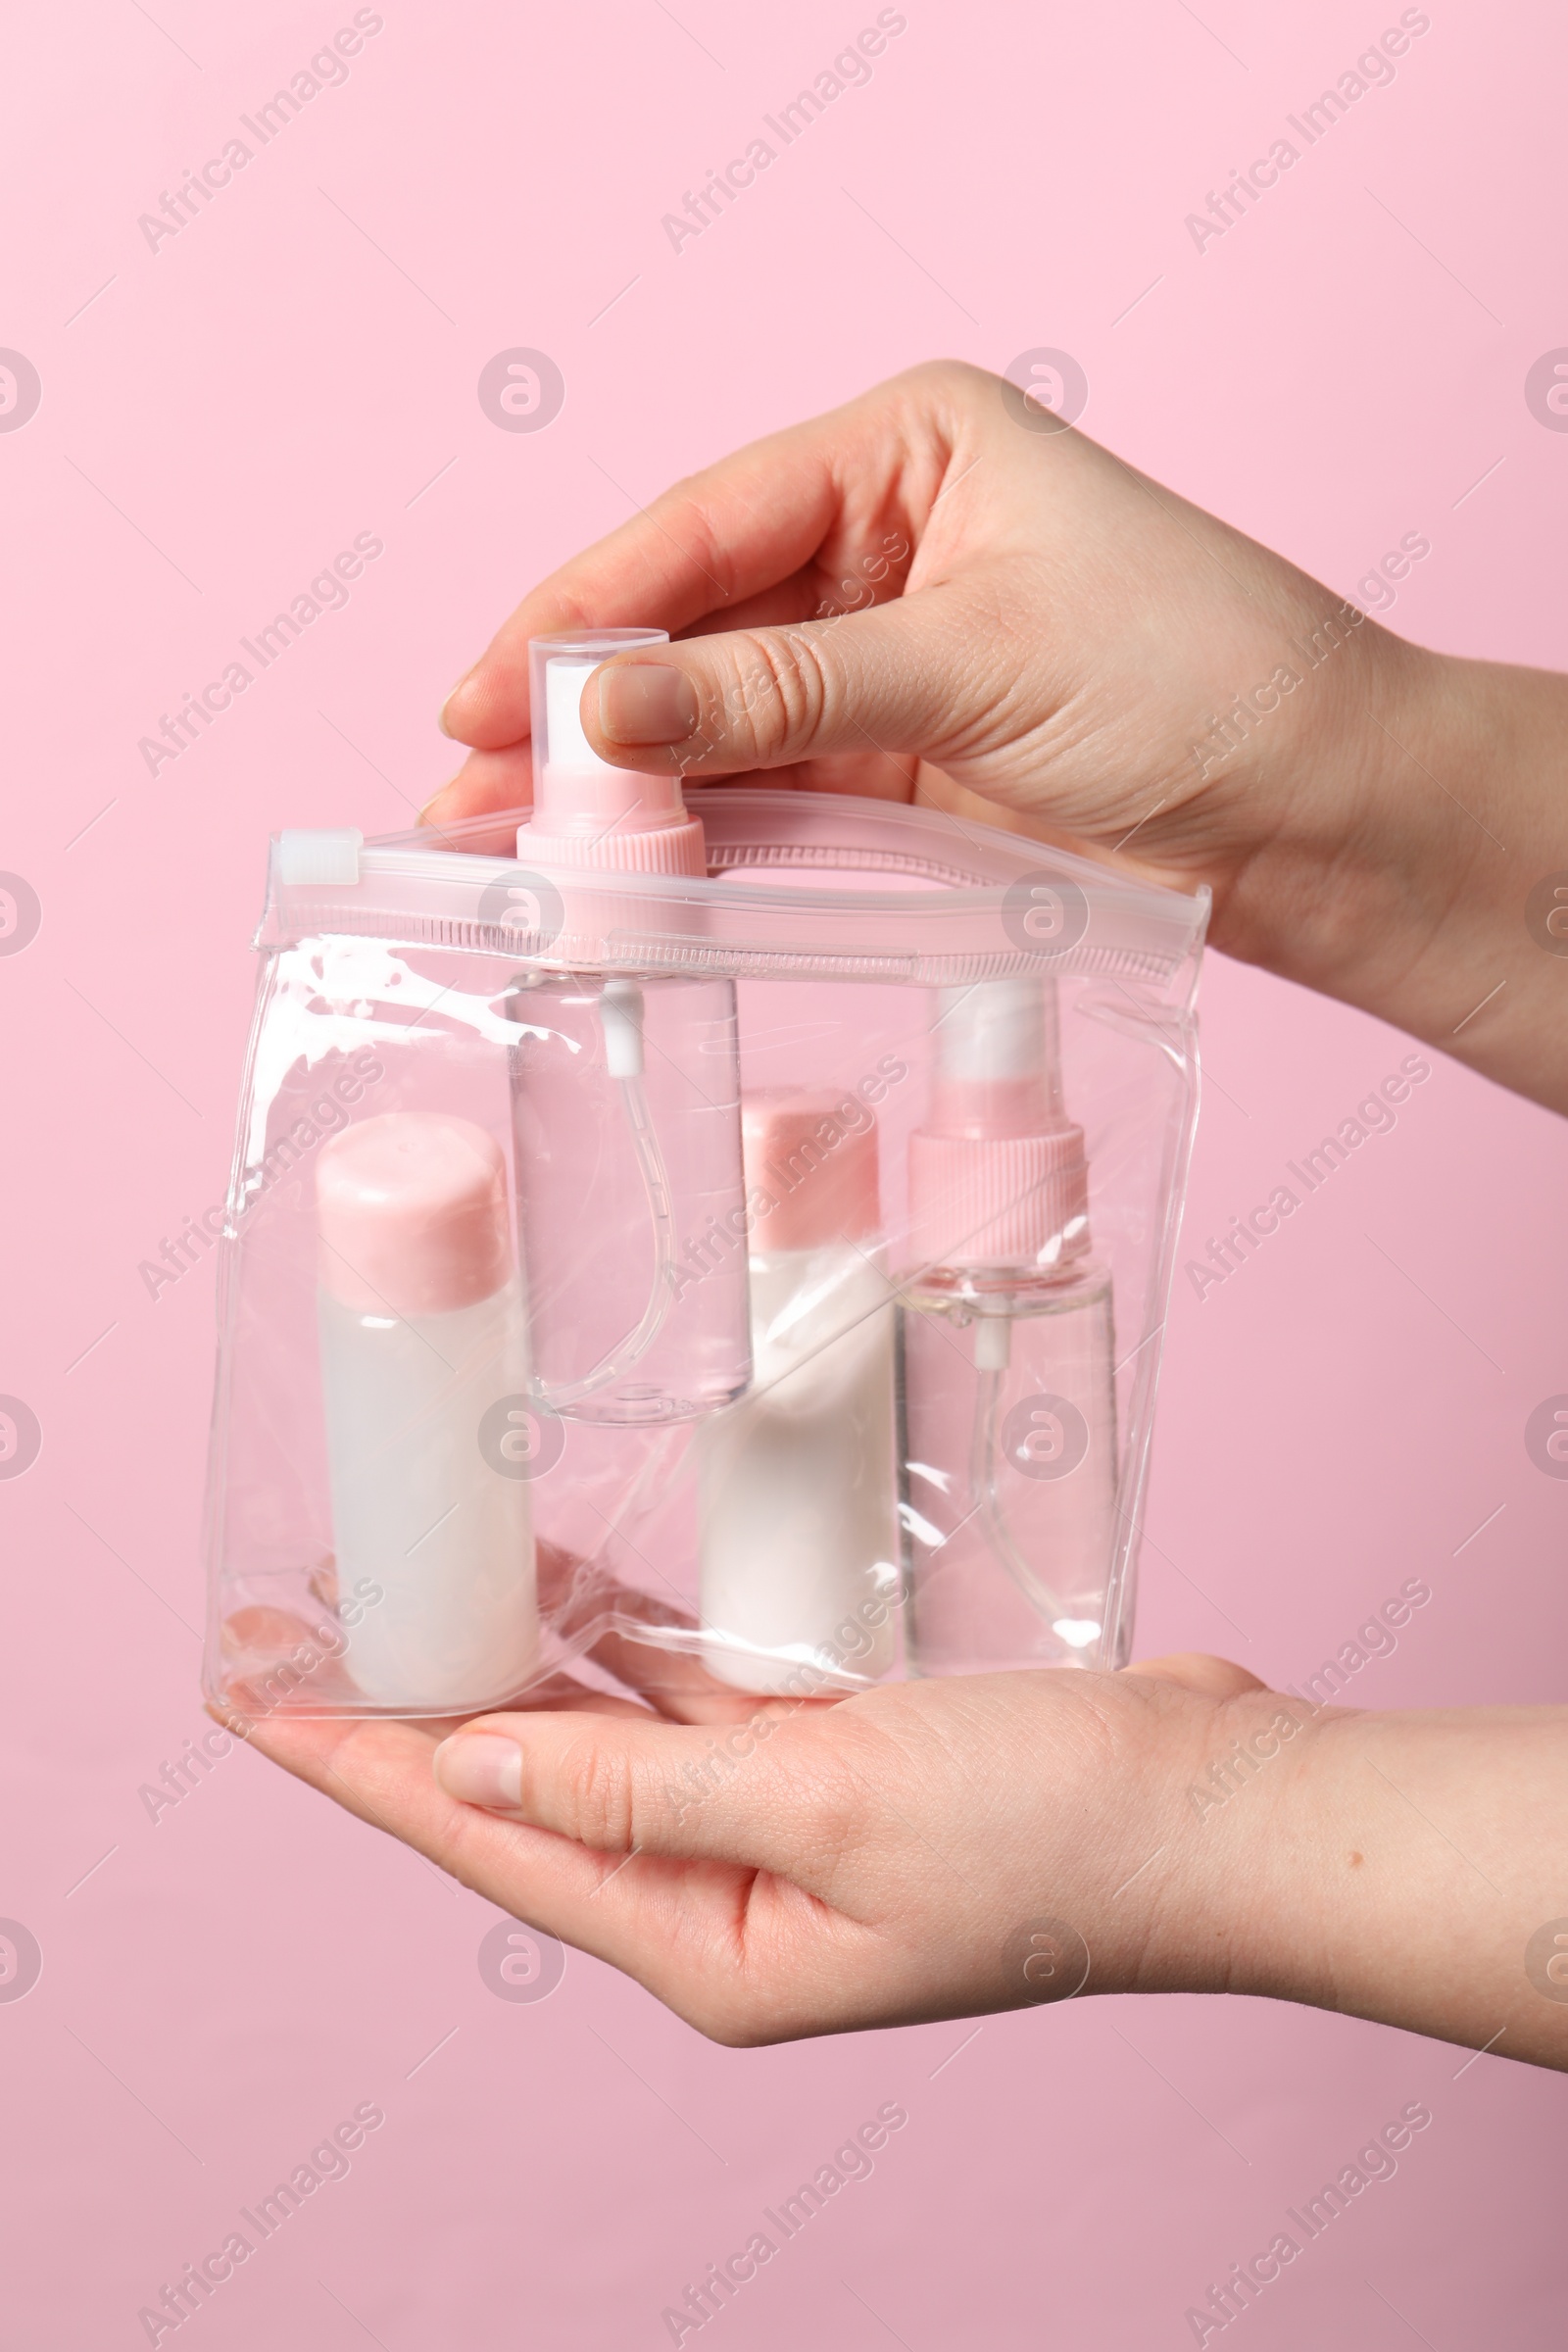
(1197, 1670)
(624, 1784)
(888, 679)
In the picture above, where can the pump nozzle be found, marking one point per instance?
(586, 811)
(996, 1174)
(998, 1060)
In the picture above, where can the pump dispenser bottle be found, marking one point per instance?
(799, 1531)
(421, 1335)
(625, 1089)
(1009, 1453)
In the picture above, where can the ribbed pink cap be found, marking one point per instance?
(810, 1163)
(998, 1200)
(412, 1214)
(624, 843)
(997, 1175)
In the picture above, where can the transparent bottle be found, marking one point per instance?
(798, 1526)
(626, 1123)
(1007, 1439)
(625, 1093)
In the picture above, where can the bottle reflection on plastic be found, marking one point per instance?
(1008, 1446)
(625, 1093)
(799, 1531)
(422, 1325)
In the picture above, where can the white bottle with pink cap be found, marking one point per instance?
(796, 1493)
(625, 1077)
(423, 1357)
(1008, 1440)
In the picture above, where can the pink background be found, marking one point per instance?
(225, 413)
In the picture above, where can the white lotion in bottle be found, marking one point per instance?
(420, 1315)
(796, 1492)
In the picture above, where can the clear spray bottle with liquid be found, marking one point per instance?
(625, 1087)
(1008, 1395)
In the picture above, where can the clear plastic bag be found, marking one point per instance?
(765, 1267)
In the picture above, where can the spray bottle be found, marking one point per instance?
(625, 1089)
(1008, 1484)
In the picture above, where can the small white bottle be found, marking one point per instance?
(797, 1491)
(423, 1348)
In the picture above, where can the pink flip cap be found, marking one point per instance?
(810, 1168)
(412, 1214)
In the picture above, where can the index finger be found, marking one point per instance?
(713, 542)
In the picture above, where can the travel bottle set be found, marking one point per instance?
(723, 1234)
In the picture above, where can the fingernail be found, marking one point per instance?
(480, 1769)
(647, 701)
(434, 796)
(441, 714)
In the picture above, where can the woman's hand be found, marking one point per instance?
(772, 1869)
(946, 1848)
(919, 580)
(936, 591)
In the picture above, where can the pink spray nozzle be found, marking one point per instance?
(586, 813)
(997, 1175)
(996, 1068)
